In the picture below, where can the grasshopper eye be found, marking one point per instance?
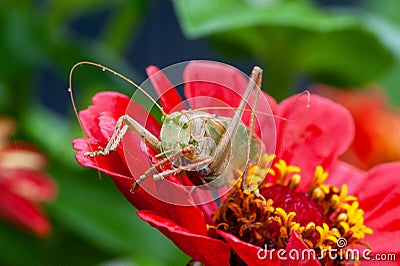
(205, 171)
(185, 125)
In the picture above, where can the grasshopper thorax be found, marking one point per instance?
(202, 131)
(184, 128)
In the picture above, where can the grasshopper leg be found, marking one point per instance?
(162, 175)
(188, 167)
(223, 145)
(124, 123)
(251, 129)
(187, 149)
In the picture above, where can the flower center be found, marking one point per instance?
(307, 210)
(266, 214)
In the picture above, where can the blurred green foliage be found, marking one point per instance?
(93, 224)
(341, 47)
(388, 11)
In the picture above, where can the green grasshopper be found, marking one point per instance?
(206, 147)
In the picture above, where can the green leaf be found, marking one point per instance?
(390, 82)
(346, 57)
(291, 38)
(51, 132)
(387, 25)
(388, 9)
(60, 248)
(123, 25)
(201, 18)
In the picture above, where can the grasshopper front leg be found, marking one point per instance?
(124, 123)
(162, 162)
(190, 167)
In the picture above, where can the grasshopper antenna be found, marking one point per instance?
(104, 68)
(308, 94)
(261, 112)
(245, 110)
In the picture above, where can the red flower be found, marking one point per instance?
(23, 185)
(230, 234)
(377, 125)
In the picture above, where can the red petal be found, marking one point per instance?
(219, 81)
(384, 242)
(385, 216)
(342, 173)
(112, 102)
(215, 80)
(188, 217)
(212, 84)
(250, 254)
(169, 97)
(139, 198)
(381, 181)
(111, 164)
(297, 253)
(316, 136)
(23, 213)
(378, 193)
(207, 250)
(107, 122)
(209, 209)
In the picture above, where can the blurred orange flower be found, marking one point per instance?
(377, 137)
(23, 184)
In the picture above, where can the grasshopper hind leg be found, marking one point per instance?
(258, 81)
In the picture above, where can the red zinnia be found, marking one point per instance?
(293, 209)
(23, 184)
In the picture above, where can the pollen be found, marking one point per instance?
(268, 213)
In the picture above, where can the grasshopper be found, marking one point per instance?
(206, 147)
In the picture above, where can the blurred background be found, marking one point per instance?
(348, 48)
